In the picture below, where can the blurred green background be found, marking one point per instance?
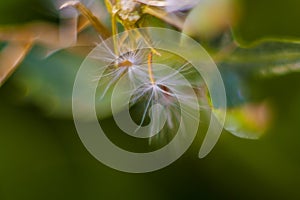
(42, 157)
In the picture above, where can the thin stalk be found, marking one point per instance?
(108, 6)
(150, 72)
(11, 57)
(114, 30)
(96, 23)
(170, 18)
(147, 42)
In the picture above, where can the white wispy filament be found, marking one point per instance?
(150, 84)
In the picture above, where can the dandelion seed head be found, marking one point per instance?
(129, 5)
(168, 87)
(171, 91)
(129, 11)
(129, 61)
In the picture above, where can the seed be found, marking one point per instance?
(125, 63)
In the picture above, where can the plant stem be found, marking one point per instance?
(150, 68)
(100, 28)
(114, 30)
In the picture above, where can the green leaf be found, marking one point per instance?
(49, 81)
(265, 58)
(248, 116)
